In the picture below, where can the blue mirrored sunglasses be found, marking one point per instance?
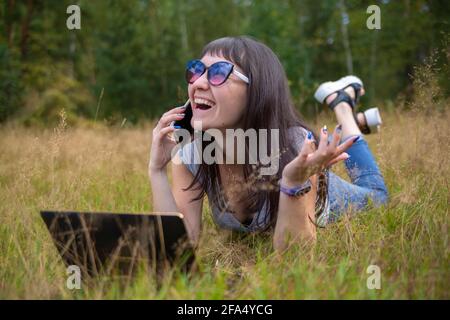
(218, 72)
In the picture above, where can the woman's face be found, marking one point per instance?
(228, 100)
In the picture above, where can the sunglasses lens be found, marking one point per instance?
(194, 70)
(218, 73)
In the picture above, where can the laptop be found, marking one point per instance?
(104, 243)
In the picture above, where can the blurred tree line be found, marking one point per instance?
(128, 59)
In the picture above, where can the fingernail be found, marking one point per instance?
(309, 135)
(177, 127)
(180, 114)
(183, 107)
(339, 128)
(325, 129)
(356, 139)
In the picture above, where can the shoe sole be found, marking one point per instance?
(327, 88)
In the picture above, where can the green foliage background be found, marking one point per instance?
(136, 50)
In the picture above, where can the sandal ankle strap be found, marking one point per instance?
(342, 96)
(357, 88)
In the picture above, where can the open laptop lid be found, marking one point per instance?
(105, 243)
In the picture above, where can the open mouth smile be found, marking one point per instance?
(203, 104)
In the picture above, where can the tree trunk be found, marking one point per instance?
(345, 38)
(25, 29)
(9, 22)
(183, 28)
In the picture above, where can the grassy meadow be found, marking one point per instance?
(98, 168)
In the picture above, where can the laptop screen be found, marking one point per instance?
(119, 243)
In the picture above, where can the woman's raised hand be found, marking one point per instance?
(162, 143)
(310, 161)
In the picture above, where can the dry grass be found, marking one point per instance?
(99, 168)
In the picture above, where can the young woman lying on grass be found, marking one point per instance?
(250, 90)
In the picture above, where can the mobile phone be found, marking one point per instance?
(185, 123)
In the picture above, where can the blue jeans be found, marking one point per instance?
(367, 183)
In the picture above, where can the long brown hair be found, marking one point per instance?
(269, 106)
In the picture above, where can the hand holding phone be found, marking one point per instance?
(185, 123)
(163, 140)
